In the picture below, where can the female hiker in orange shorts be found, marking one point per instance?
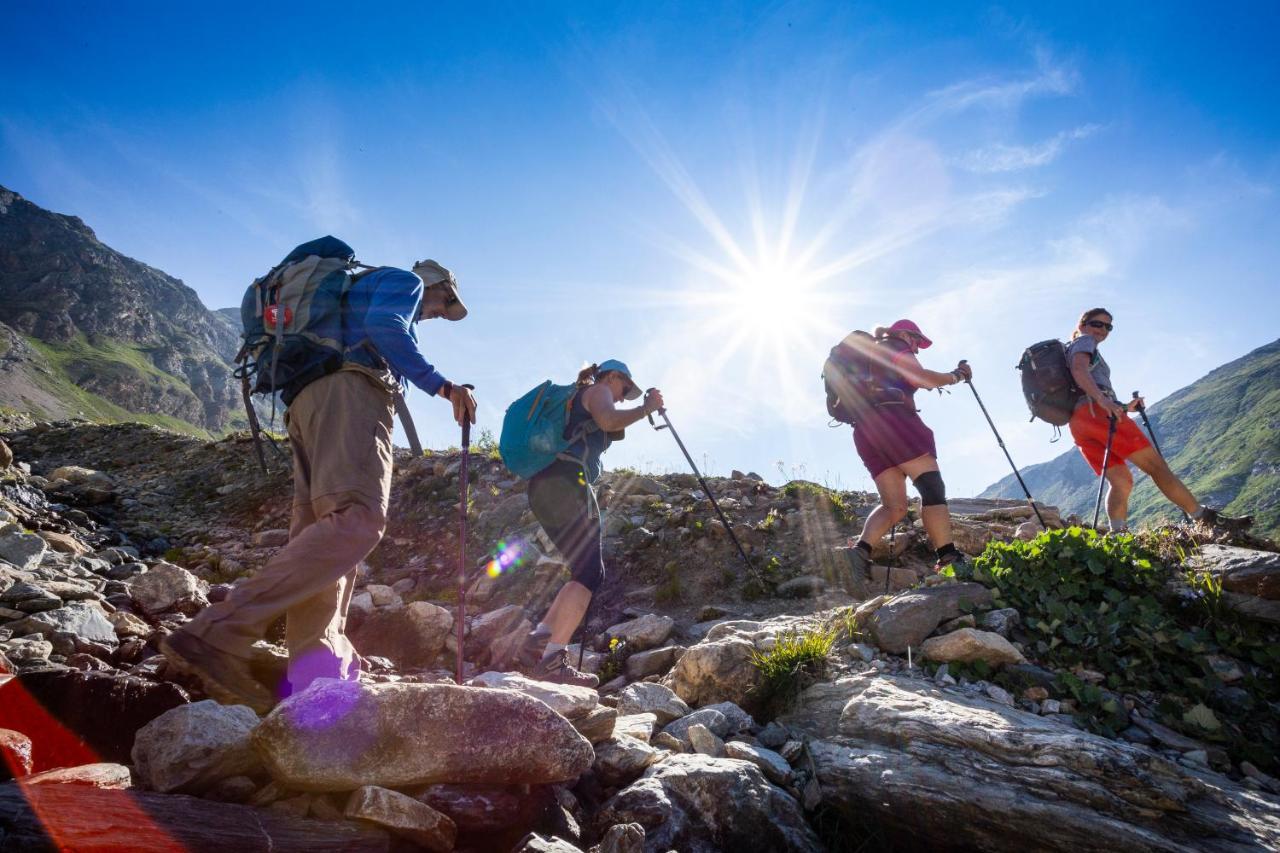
(1091, 421)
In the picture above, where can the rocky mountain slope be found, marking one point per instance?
(1221, 435)
(86, 331)
(781, 707)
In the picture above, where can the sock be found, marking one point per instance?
(552, 648)
(1119, 525)
(947, 550)
(543, 630)
(864, 545)
(1199, 514)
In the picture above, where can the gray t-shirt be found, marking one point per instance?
(1097, 366)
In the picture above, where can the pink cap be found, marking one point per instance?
(908, 326)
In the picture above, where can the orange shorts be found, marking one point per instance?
(1089, 427)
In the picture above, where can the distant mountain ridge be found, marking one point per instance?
(1221, 435)
(85, 330)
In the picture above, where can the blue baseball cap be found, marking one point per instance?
(613, 365)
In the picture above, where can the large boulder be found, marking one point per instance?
(644, 632)
(968, 645)
(84, 817)
(621, 759)
(85, 619)
(487, 628)
(340, 735)
(167, 587)
(412, 635)
(77, 717)
(648, 697)
(1241, 570)
(190, 747)
(906, 620)
(21, 549)
(716, 670)
(699, 804)
(934, 769)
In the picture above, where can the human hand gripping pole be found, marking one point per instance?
(965, 371)
(464, 483)
(662, 413)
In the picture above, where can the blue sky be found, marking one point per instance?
(714, 193)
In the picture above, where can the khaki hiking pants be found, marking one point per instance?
(340, 430)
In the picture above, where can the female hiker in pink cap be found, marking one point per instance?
(895, 444)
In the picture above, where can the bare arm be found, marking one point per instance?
(1084, 380)
(599, 403)
(909, 367)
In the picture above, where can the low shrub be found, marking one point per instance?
(1110, 604)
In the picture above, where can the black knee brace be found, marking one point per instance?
(933, 491)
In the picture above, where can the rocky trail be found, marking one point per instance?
(792, 708)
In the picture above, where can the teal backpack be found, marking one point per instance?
(534, 426)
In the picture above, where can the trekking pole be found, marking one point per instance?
(1146, 422)
(707, 489)
(1102, 478)
(464, 487)
(1000, 441)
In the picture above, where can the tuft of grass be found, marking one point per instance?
(796, 659)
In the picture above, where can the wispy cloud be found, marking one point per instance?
(1050, 78)
(1004, 157)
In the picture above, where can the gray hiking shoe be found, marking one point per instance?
(224, 677)
(556, 668)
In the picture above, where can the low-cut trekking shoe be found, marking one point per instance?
(224, 677)
(556, 668)
(859, 571)
(956, 559)
(1214, 519)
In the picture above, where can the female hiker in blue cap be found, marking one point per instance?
(564, 502)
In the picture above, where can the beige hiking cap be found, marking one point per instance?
(433, 273)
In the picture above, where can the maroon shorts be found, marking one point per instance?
(890, 436)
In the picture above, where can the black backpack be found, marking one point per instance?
(854, 376)
(1047, 385)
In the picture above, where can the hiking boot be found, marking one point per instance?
(556, 668)
(224, 677)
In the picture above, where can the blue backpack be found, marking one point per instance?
(533, 429)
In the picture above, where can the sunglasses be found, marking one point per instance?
(1098, 324)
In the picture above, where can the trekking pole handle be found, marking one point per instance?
(1138, 396)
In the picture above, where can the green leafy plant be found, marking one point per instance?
(1110, 604)
(823, 500)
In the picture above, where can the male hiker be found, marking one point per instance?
(340, 429)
